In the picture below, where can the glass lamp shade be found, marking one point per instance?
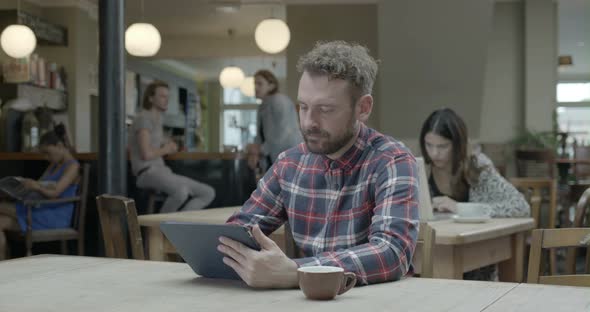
(18, 41)
(231, 77)
(142, 39)
(247, 87)
(272, 35)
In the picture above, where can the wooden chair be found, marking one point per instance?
(498, 153)
(426, 238)
(555, 238)
(579, 221)
(154, 197)
(541, 156)
(75, 232)
(111, 210)
(581, 171)
(533, 188)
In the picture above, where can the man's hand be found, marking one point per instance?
(267, 268)
(444, 204)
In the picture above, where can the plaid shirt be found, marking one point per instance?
(359, 212)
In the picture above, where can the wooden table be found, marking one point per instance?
(459, 247)
(539, 298)
(462, 247)
(72, 283)
(158, 245)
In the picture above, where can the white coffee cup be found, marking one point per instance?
(471, 210)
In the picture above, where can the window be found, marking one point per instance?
(238, 119)
(573, 92)
(573, 112)
(576, 122)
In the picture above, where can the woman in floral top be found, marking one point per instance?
(457, 175)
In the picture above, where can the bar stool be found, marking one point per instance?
(153, 198)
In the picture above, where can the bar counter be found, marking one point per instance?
(227, 173)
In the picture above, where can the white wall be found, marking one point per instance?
(311, 23)
(502, 112)
(540, 63)
(433, 55)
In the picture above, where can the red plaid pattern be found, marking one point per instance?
(359, 212)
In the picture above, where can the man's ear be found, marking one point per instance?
(365, 106)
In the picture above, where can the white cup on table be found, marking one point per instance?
(472, 210)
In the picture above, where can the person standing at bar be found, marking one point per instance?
(147, 146)
(277, 124)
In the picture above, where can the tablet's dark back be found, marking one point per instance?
(197, 245)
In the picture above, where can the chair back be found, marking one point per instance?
(582, 171)
(75, 232)
(78, 222)
(528, 158)
(556, 238)
(580, 220)
(498, 153)
(112, 210)
(426, 238)
(533, 189)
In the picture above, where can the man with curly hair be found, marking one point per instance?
(349, 193)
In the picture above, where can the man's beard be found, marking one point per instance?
(330, 146)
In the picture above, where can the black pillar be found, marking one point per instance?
(112, 160)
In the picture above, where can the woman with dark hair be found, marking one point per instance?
(58, 181)
(277, 124)
(458, 175)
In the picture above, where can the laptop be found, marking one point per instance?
(13, 187)
(424, 200)
(197, 245)
(425, 208)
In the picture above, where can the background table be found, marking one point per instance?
(462, 247)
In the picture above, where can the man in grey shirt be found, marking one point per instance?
(147, 145)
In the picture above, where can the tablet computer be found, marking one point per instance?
(197, 245)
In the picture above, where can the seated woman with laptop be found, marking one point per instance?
(58, 181)
(459, 176)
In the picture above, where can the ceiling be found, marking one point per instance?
(208, 68)
(200, 19)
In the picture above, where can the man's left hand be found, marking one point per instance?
(267, 268)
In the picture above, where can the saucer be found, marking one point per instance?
(477, 219)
